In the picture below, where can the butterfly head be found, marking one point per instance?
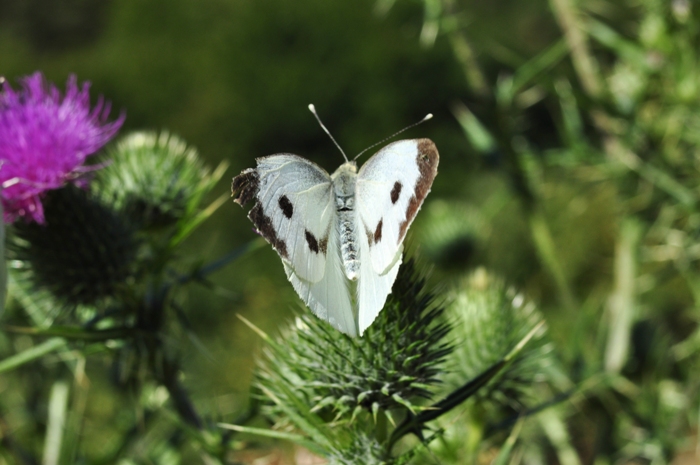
(344, 182)
(349, 168)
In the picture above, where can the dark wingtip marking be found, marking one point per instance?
(378, 231)
(244, 187)
(286, 206)
(427, 160)
(311, 241)
(264, 225)
(396, 192)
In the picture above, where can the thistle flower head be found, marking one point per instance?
(45, 138)
(83, 254)
(396, 363)
(490, 319)
(155, 179)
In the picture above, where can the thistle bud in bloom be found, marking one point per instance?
(45, 138)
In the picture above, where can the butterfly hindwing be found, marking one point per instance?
(330, 299)
(293, 210)
(391, 187)
(372, 287)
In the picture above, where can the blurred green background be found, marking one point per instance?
(234, 78)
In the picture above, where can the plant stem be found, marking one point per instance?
(178, 394)
(621, 305)
(58, 407)
(546, 249)
(464, 53)
(584, 64)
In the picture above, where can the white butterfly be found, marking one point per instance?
(340, 237)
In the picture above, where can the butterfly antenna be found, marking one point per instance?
(312, 109)
(425, 118)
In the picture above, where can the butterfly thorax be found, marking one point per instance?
(344, 180)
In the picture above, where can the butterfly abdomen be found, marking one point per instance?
(344, 190)
(348, 243)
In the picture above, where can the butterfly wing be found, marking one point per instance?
(329, 298)
(390, 190)
(293, 210)
(372, 287)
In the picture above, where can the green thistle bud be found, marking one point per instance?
(83, 254)
(397, 361)
(489, 321)
(155, 179)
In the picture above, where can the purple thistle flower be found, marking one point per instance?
(45, 139)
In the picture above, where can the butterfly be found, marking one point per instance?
(340, 236)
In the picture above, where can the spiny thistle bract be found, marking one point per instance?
(155, 179)
(489, 320)
(82, 254)
(363, 448)
(397, 361)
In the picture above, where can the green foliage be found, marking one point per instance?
(490, 319)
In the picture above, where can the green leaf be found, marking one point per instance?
(268, 433)
(628, 50)
(32, 354)
(528, 72)
(477, 134)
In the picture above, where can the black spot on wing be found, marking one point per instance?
(311, 241)
(378, 231)
(396, 192)
(263, 223)
(286, 206)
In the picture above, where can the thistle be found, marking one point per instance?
(156, 179)
(44, 140)
(341, 379)
(490, 319)
(83, 253)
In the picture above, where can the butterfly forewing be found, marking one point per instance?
(391, 187)
(293, 210)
